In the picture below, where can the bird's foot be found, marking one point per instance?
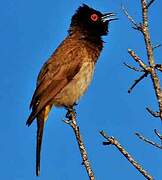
(70, 113)
(75, 104)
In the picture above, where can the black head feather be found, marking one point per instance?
(89, 21)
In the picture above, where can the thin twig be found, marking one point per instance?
(136, 26)
(158, 134)
(158, 67)
(155, 114)
(71, 115)
(137, 81)
(113, 141)
(133, 68)
(156, 46)
(150, 3)
(148, 141)
(137, 59)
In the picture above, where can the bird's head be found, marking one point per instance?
(91, 21)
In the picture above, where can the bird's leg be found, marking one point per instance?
(70, 113)
(75, 104)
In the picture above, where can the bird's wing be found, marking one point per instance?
(53, 77)
(62, 65)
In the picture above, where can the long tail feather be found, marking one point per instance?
(40, 125)
(41, 118)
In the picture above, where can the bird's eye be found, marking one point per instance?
(94, 17)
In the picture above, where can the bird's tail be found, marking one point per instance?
(41, 118)
(40, 127)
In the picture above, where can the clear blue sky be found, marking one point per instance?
(29, 33)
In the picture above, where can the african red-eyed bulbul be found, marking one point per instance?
(66, 75)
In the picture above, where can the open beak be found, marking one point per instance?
(108, 17)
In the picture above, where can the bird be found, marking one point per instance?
(66, 75)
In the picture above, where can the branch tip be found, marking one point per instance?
(130, 18)
(147, 140)
(133, 68)
(154, 114)
(158, 134)
(150, 3)
(137, 59)
(137, 81)
(158, 67)
(156, 46)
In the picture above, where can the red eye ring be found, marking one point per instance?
(94, 17)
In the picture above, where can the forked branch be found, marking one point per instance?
(152, 67)
(113, 141)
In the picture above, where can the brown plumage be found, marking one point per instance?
(65, 77)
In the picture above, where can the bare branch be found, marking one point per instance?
(71, 115)
(113, 141)
(133, 68)
(137, 59)
(136, 26)
(156, 46)
(137, 81)
(150, 3)
(158, 67)
(158, 134)
(155, 114)
(148, 141)
(151, 69)
(149, 48)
